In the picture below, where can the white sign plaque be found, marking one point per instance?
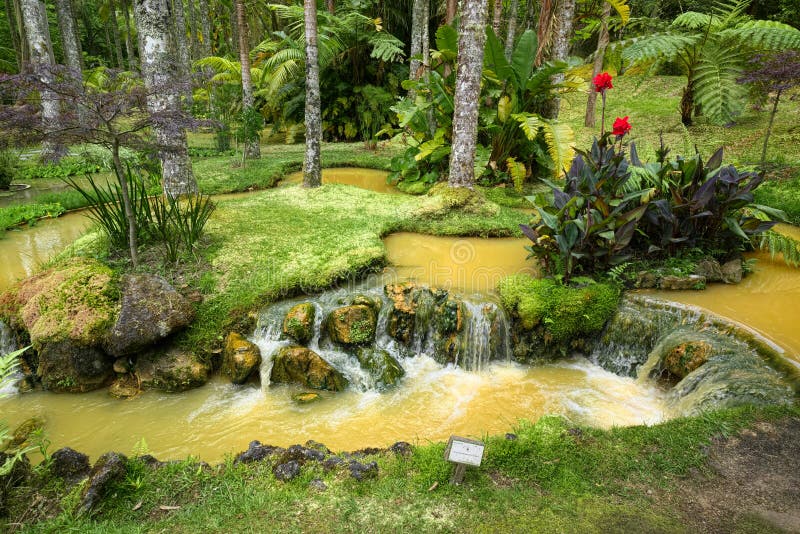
(465, 451)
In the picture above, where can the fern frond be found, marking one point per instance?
(622, 8)
(517, 171)
(386, 47)
(660, 45)
(560, 140)
(220, 64)
(529, 124)
(692, 20)
(764, 35)
(716, 90)
(776, 243)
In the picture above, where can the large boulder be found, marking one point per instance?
(410, 309)
(69, 465)
(151, 309)
(352, 325)
(381, 366)
(299, 365)
(299, 322)
(68, 313)
(173, 371)
(240, 358)
(732, 272)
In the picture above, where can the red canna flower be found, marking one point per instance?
(621, 126)
(602, 82)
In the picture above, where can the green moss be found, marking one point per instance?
(563, 312)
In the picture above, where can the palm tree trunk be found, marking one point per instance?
(205, 28)
(497, 16)
(471, 41)
(38, 34)
(252, 150)
(158, 59)
(312, 166)
(129, 49)
(560, 52)
(71, 48)
(184, 66)
(16, 41)
(599, 55)
(112, 13)
(511, 34)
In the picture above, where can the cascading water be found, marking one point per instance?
(7, 346)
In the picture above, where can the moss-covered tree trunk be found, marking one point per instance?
(599, 56)
(560, 51)
(190, 10)
(511, 30)
(159, 66)
(182, 48)
(497, 16)
(417, 22)
(205, 27)
(252, 149)
(41, 63)
(312, 166)
(471, 41)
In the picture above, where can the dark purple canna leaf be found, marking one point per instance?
(529, 232)
(715, 160)
(704, 194)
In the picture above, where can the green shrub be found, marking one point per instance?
(563, 312)
(72, 166)
(27, 213)
(9, 163)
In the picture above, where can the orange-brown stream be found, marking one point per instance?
(431, 403)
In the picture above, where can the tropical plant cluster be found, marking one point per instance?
(613, 207)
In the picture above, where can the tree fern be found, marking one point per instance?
(776, 243)
(765, 35)
(692, 20)
(663, 45)
(386, 47)
(517, 171)
(717, 92)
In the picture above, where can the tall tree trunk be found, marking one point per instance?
(497, 16)
(71, 47)
(599, 55)
(252, 150)
(157, 53)
(312, 166)
(511, 34)
(16, 40)
(23, 36)
(417, 23)
(205, 28)
(471, 41)
(38, 34)
(233, 36)
(192, 29)
(129, 49)
(560, 52)
(331, 5)
(112, 13)
(450, 11)
(184, 61)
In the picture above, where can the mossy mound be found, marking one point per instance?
(549, 319)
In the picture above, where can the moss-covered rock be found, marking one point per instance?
(413, 188)
(407, 301)
(352, 325)
(173, 371)
(373, 302)
(443, 199)
(306, 397)
(381, 365)
(550, 319)
(687, 356)
(150, 310)
(299, 365)
(299, 322)
(240, 358)
(68, 313)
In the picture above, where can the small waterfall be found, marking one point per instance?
(7, 342)
(485, 336)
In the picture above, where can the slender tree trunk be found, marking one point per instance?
(497, 16)
(312, 166)
(331, 5)
(769, 127)
(16, 41)
(450, 11)
(41, 62)
(133, 245)
(560, 51)
(184, 61)
(157, 53)
(71, 48)
(129, 49)
(23, 36)
(417, 23)
(233, 37)
(252, 150)
(112, 12)
(599, 55)
(471, 41)
(205, 28)
(511, 34)
(193, 49)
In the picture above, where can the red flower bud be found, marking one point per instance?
(602, 82)
(621, 126)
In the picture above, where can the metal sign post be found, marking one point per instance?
(463, 452)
